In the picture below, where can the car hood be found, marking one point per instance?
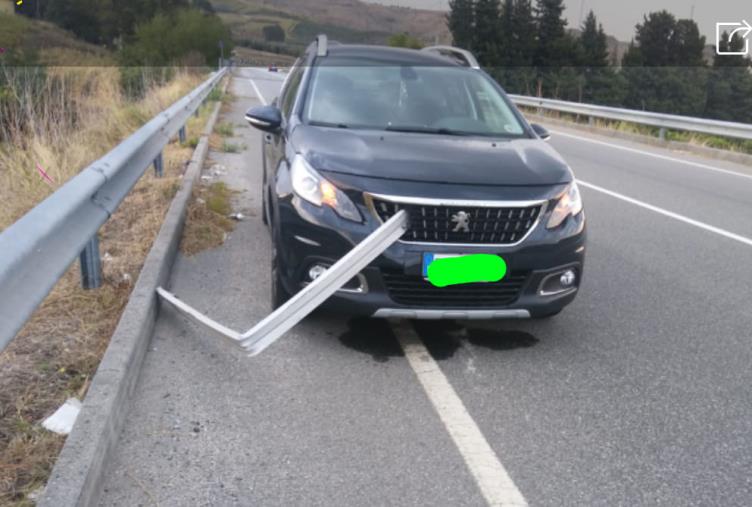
(430, 157)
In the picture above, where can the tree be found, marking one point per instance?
(551, 31)
(687, 44)
(204, 5)
(507, 32)
(601, 84)
(169, 38)
(522, 47)
(74, 15)
(654, 36)
(516, 46)
(487, 44)
(105, 21)
(461, 20)
(664, 70)
(594, 45)
(557, 53)
(273, 33)
(730, 83)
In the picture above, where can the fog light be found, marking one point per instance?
(567, 278)
(316, 271)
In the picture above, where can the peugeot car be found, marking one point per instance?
(360, 132)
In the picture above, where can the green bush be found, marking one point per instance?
(185, 36)
(273, 33)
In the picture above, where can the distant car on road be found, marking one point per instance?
(360, 132)
(273, 68)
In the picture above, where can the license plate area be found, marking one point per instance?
(428, 258)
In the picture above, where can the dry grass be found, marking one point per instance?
(225, 129)
(248, 56)
(57, 352)
(207, 225)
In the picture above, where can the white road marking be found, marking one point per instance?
(258, 92)
(656, 155)
(671, 214)
(494, 481)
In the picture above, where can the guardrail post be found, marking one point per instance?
(181, 134)
(662, 134)
(158, 166)
(91, 264)
(590, 121)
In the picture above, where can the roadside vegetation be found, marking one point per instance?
(207, 223)
(210, 214)
(529, 49)
(59, 120)
(225, 129)
(69, 94)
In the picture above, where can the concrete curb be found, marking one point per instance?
(77, 476)
(704, 151)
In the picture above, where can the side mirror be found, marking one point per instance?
(541, 131)
(266, 118)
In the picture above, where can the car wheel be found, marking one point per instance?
(279, 293)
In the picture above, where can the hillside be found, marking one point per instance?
(46, 43)
(344, 20)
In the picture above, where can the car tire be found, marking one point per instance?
(279, 294)
(264, 209)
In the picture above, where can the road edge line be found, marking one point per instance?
(676, 216)
(77, 476)
(646, 153)
(258, 92)
(494, 482)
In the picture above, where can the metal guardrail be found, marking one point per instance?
(37, 250)
(274, 325)
(662, 121)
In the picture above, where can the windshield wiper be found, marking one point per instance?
(425, 130)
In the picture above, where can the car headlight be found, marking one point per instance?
(312, 187)
(570, 203)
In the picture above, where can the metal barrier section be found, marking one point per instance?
(306, 300)
(38, 249)
(660, 120)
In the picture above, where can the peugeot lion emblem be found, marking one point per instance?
(462, 219)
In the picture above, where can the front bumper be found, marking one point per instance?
(310, 235)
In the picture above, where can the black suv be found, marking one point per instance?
(360, 132)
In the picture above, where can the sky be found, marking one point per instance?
(619, 17)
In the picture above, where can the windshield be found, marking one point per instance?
(445, 100)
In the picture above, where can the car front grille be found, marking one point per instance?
(417, 292)
(446, 224)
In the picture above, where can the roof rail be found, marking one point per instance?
(463, 55)
(322, 45)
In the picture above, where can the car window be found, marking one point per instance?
(426, 99)
(290, 91)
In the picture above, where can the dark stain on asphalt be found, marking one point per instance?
(500, 339)
(372, 336)
(443, 338)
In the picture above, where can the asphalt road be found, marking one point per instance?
(637, 394)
